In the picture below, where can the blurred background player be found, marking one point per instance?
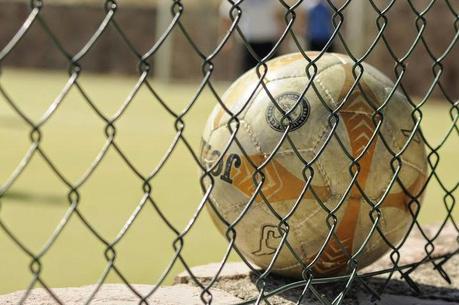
(260, 24)
(318, 24)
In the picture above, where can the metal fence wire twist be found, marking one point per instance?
(308, 285)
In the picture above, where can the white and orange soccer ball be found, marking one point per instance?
(261, 127)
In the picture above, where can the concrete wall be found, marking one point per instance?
(73, 26)
(439, 32)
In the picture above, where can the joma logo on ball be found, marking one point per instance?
(225, 165)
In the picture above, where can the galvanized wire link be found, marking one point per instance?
(309, 286)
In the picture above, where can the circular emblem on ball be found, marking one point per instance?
(286, 101)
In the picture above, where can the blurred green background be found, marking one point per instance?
(72, 138)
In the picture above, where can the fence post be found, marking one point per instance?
(357, 25)
(162, 65)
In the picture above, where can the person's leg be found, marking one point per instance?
(261, 49)
(248, 61)
(331, 48)
(264, 48)
(319, 45)
(315, 45)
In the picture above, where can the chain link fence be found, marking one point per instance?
(310, 283)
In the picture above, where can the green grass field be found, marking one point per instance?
(73, 137)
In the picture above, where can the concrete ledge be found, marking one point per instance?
(118, 294)
(238, 280)
(231, 271)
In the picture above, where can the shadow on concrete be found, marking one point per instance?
(397, 292)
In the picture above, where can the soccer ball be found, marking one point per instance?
(343, 151)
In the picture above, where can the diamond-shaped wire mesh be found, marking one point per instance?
(309, 284)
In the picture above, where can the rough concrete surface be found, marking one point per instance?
(118, 294)
(240, 281)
